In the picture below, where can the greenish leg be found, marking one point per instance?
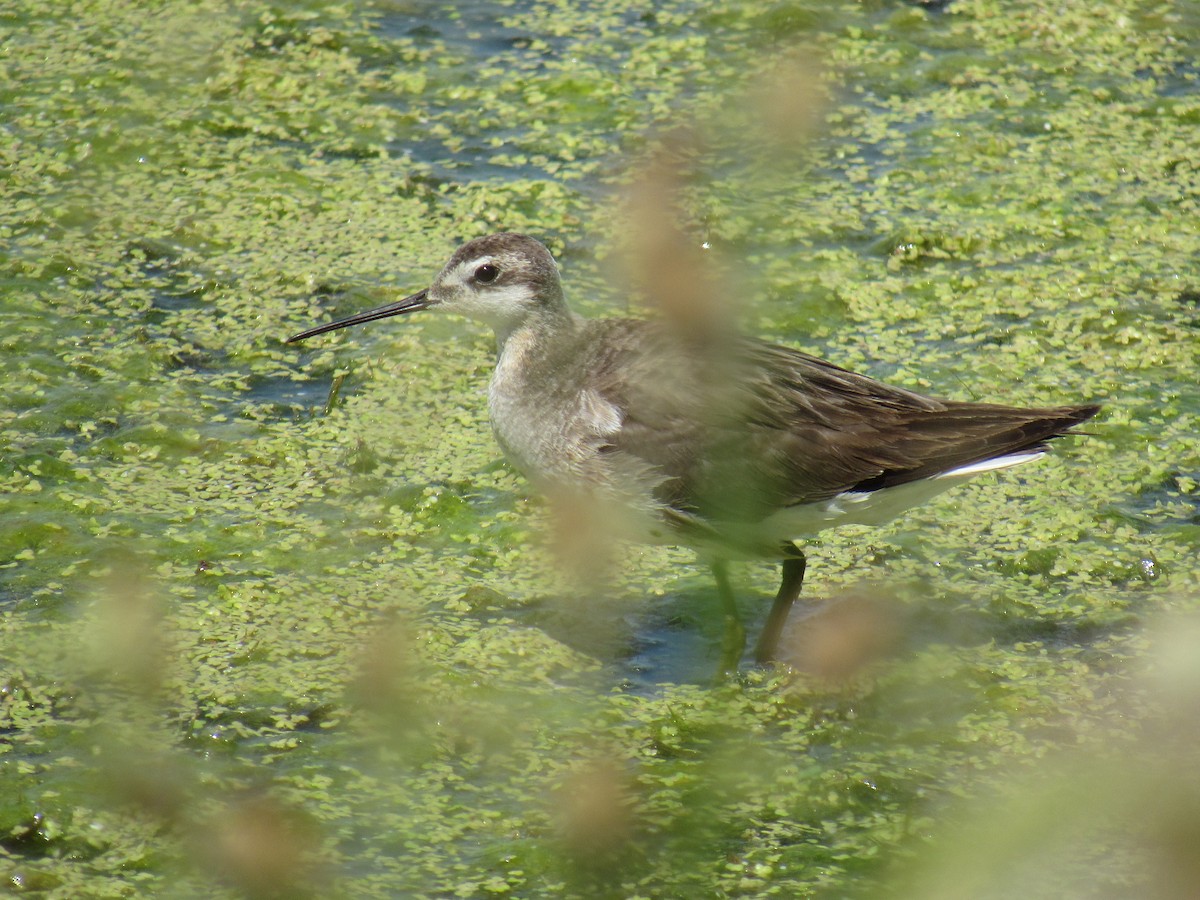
(733, 644)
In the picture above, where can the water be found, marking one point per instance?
(191, 546)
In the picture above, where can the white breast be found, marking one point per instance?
(549, 431)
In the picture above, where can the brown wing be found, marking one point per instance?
(747, 428)
(873, 435)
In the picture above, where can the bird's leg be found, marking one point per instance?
(789, 590)
(734, 642)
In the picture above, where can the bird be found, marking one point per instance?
(732, 445)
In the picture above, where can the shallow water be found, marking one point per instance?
(231, 618)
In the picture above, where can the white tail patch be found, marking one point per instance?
(990, 465)
(877, 507)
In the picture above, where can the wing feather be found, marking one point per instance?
(746, 428)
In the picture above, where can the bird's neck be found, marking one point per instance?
(544, 327)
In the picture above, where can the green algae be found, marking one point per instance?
(239, 609)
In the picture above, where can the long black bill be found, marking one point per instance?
(419, 300)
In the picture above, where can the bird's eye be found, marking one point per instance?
(487, 273)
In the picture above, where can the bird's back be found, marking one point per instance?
(740, 429)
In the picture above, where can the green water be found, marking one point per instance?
(257, 643)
